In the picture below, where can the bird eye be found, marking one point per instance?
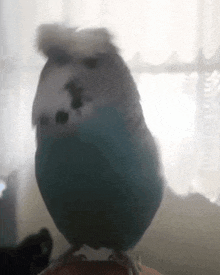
(91, 62)
(60, 57)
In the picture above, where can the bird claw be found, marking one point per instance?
(79, 257)
(138, 263)
(69, 256)
(124, 260)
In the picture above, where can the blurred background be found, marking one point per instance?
(173, 51)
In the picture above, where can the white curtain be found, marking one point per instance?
(172, 50)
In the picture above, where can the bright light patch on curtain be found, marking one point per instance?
(170, 114)
(168, 111)
(2, 187)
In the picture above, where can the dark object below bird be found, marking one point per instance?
(30, 257)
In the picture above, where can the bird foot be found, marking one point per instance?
(123, 259)
(69, 257)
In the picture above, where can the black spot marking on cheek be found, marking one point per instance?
(62, 117)
(77, 102)
(76, 93)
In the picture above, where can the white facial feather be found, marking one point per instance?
(86, 42)
(51, 96)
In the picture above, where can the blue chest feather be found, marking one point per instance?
(100, 185)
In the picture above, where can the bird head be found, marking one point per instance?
(83, 73)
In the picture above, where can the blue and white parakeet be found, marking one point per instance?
(97, 164)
